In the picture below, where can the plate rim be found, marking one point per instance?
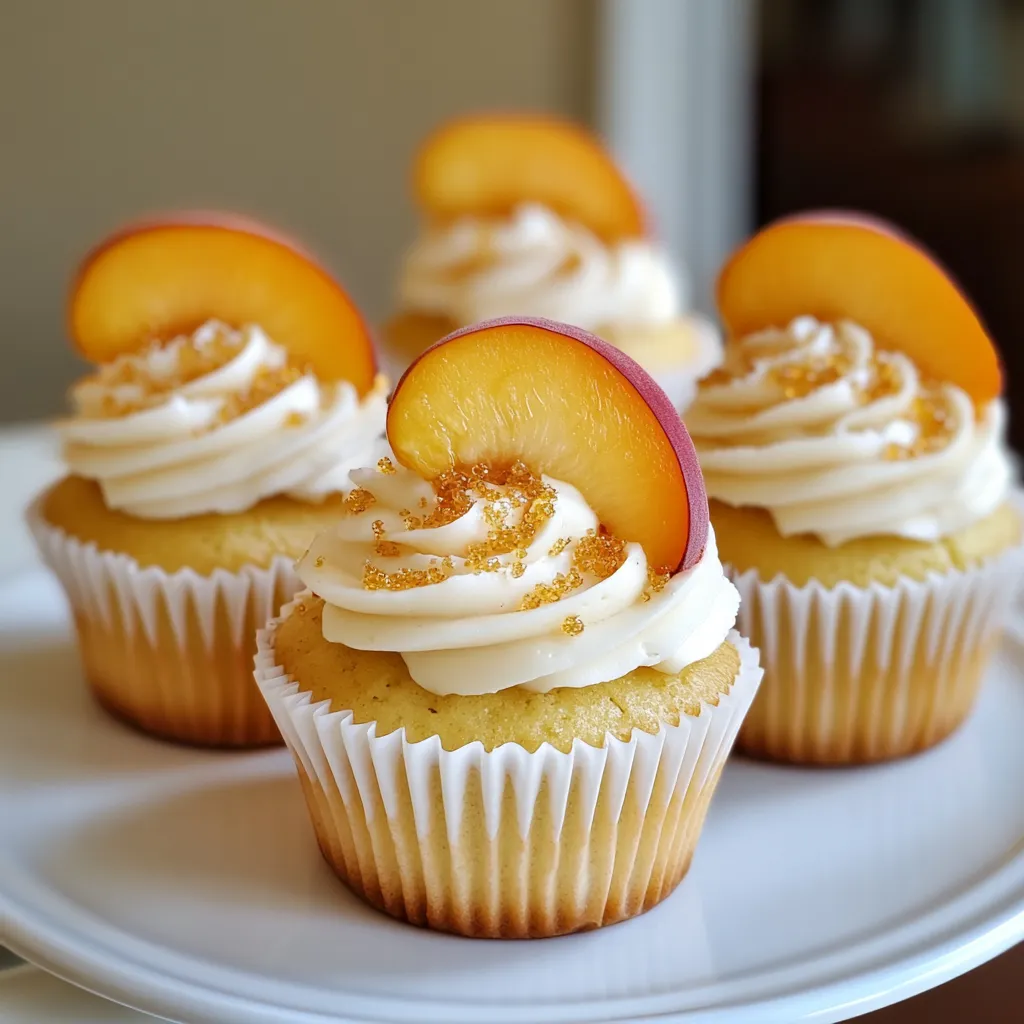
(983, 924)
(144, 988)
(18, 972)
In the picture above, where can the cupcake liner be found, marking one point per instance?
(858, 674)
(170, 653)
(505, 843)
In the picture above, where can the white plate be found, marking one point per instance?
(28, 996)
(29, 460)
(188, 884)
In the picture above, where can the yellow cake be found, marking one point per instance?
(427, 843)
(376, 687)
(507, 720)
(860, 488)
(748, 539)
(882, 684)
(272, 528)
(181, 666)
(202, 460)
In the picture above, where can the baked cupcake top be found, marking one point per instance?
(545, 525)
(859, 394)
(231, 368)
(525, 214)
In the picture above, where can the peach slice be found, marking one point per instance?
(569, 405)
(835, 265)
(159, 279)
(485, 166)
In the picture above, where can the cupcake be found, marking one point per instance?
(234, 391)
(513, 682)
(527, 215)
(853, 448)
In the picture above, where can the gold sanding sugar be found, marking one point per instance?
(572, 625)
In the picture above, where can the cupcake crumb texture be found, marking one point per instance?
(376, 687)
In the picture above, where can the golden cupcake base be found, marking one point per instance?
(205, 544)
(171, 652)
(175, 684)
(496, 840)
(375, 686)
(555, 881)
(872, 651)
(871, 691)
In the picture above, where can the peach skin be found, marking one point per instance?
(845, 266)
(163, 278)
(566, 404)
(485, 166)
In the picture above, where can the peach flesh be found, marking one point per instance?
(485, 166)
(842, 265)
(595, 419)
(158, 278)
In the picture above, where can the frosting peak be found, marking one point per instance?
(838, 438)
(484, 585)
(537, 263)
(216, 421)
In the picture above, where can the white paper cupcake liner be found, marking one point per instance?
(170, 652)
(505, 843)
(855, 674)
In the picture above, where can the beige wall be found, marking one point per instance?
(304, 111)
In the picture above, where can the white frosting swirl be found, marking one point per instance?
(536, 264)
(164, 442)
(864, 448)
(466, 634)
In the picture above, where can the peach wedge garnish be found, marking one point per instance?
(486, 166)
(156, 280)
(845, 266)
(568, 405)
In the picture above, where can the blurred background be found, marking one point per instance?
(727, 113)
